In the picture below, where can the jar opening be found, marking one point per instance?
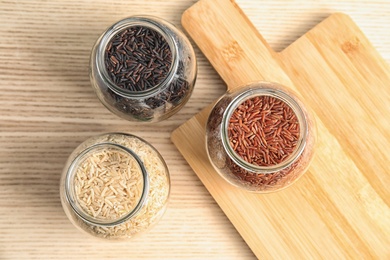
(144, 60)
(106, 184)
(264, 130)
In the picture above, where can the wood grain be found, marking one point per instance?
(47, 107)
(343, 203)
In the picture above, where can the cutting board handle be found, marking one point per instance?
(232, 44)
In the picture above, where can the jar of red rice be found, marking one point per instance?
(260, 137)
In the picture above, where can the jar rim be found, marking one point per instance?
(144, 21)
(70, 196)
(271, 89)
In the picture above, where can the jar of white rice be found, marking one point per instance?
(114, 186)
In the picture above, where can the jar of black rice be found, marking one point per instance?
(260, 137)
(115, 186)
(143, 69)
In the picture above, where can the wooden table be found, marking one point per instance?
(48, 108)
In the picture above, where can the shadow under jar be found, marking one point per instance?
(261, 137)
(114, 186)
(143, 69)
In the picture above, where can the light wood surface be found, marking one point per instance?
(47, 107)
(342, 203)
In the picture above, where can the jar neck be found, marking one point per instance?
(144, 21)
(71, 193)
(251, 92)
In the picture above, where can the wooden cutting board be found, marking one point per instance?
(340, 208)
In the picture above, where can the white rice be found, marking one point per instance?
(109, 184)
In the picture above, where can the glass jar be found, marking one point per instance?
(114, 186)
(260, 137)
(143, 69)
